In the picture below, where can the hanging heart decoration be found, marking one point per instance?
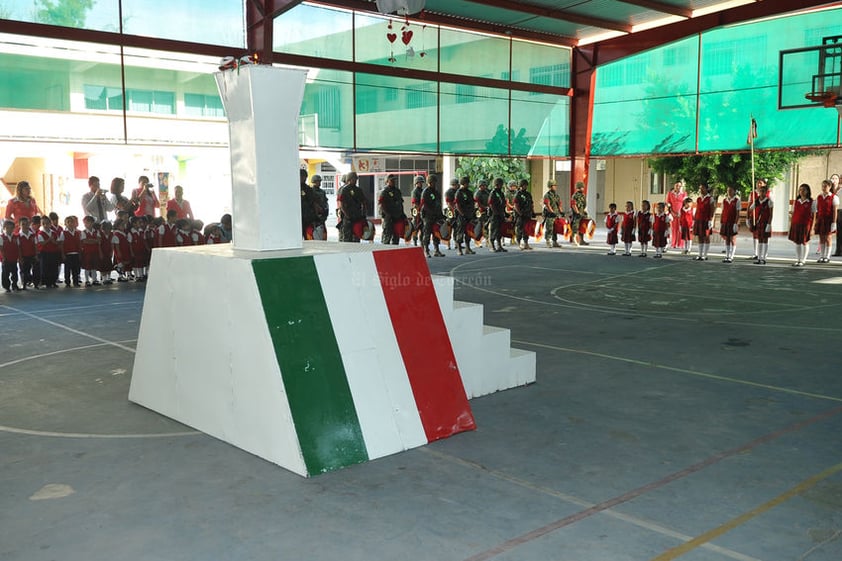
(391, 37)
(406, 36)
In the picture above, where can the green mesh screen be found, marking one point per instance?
(315, 31)
(540, 124)
(217, 22)
(396, 114)
(545, 65)
(327, 110)
(647, 103)
(474, 119)
(412, 45)
(471, 54)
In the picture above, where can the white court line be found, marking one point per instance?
(76, 308)
(29, 432)
(634, 520)
(561, 303)
(76, 331)
(650, 364)
(70, 350)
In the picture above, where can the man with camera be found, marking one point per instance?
(96, 202)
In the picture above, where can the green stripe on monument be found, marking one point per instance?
(317, 389)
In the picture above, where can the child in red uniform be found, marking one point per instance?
(140, 251)
(803, 211)
(106, 252)
(166, 231)
(122, 249)
(761, 219)
(28, 254)
(612, 223)
(213, 235)
(661, 230)
(627, 228)
(685, 218)
(91, 252)
(183, 234)
(10, 254)
(50, 240)
(728, 223)
(703, 221)
(827, 206)
(71, 249)
(644, 227)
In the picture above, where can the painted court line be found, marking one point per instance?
(634, 520)
(512, 543)
(689, 546)
(682, 371)
(70, 350)
(70, 329)
(29, 432)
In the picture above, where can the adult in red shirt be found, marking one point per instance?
(675, 200)
(23, 205)
(180, 205)
(144, 198)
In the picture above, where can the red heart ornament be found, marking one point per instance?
(406, 37)
(391, 37)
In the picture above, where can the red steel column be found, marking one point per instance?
(581, 111)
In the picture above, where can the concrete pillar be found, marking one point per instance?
(265, 191)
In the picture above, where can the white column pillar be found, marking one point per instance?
(262, 103)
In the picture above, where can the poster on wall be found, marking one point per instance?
(365, 164)
(163, 190)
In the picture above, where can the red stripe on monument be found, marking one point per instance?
(423, 342)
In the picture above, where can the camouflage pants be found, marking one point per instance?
(387, 236)
(520, 233)
(495, 228)
(427, 233)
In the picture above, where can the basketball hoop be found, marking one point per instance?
(827, 99)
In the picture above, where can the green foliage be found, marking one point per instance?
(721, 170)
(490, 167)
(68, 13)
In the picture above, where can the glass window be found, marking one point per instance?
(477, 122)
(201, 105)
(473, 54)
(408, 124)
(100, 15)
(327, 110)
(542, 64)
(315, 31)
(540, 125)
(395, 42)
(215, 22)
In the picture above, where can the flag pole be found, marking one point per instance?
(751, 133)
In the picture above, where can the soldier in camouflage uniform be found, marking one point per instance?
(510, 204)
(450, 210)
(390, 204)
(308, 205)
(578, 211)
(430, 214)
(322, 208)
(415, 203)
(481, 200)
(552, 210)
(352, 201)
(523, 213)
(464, 214)
(496, 215)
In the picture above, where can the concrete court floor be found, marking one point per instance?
(683, 410)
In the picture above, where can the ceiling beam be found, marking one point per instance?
(563, 15)
(627, 45)
(459, 23)
(661, 7)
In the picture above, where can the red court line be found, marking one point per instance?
(424, 342)
(512, 543)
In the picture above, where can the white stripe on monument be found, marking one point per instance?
(377, 378)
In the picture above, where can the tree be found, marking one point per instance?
(490, 167)
(721, 170)
(67, 13)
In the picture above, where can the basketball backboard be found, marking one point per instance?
(811, 76)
